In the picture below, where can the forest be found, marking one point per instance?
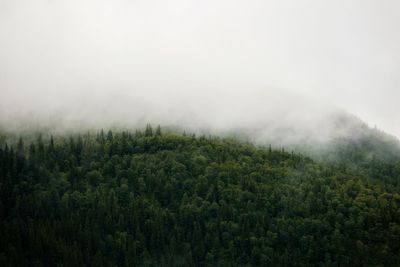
(154, 198)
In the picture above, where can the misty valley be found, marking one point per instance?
(156, 197)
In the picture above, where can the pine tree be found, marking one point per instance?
(20, 156)
(149, 130)
(110, 136)
(158, 130)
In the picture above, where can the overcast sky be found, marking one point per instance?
(55, 55)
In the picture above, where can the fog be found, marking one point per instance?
(270, 66)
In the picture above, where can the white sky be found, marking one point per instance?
(55, 54)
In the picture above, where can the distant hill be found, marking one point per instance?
(328, 137)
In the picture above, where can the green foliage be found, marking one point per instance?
(145, 199)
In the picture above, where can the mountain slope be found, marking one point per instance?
(151, 199)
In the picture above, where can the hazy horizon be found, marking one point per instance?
(218, 64)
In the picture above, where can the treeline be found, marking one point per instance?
(146, 198)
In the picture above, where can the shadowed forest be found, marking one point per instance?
(149, 198)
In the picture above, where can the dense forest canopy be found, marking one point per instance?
(149, 198)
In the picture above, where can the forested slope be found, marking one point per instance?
(153, 199)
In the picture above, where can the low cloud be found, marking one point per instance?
(263, 66)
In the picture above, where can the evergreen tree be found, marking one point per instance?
(149, 130)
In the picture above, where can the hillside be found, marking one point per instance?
(338, 138)
(154, 199)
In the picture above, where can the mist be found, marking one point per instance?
(262, 66)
